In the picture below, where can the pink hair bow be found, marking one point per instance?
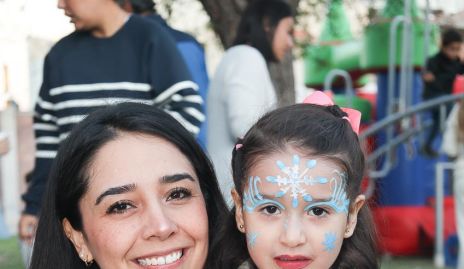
(322, 99)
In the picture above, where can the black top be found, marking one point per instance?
(445, 70)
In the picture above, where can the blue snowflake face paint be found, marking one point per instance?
(338, 200)
(329, 241)
(251, 238)
(252, 198)
(294, 206)
(294, 183)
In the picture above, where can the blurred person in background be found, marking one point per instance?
(241, 89)
(441, 71)
(111, 57)
(191, 50)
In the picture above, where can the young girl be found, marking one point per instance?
(453, 146)
(298, 204)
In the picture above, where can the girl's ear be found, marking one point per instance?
(77, 239)
(353, 215)
(238, 210)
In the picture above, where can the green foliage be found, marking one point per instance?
(10, 257)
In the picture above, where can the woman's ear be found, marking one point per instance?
(78, 241)
(238, 210)
(353, 215)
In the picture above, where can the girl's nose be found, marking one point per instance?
(293, 232)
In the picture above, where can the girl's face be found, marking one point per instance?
(143, 209)
(295, 212)
(283, 38)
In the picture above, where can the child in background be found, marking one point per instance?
(441, 71)
(298, 202)
(453, 146)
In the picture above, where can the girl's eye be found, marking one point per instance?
(317, 212)
(119, 207)
(271, 210)
(179, 194)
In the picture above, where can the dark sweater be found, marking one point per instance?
(445, 70)
(139, 63)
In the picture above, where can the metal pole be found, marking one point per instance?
(392, 62)
(439, 256)
(426, 33)
(349, 92)
(391, 88)
(405, 58)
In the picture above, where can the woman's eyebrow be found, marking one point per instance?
(114, 191)
(167, 179)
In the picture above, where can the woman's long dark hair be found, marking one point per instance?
(68, 181)
(259, 15)
(319, 131)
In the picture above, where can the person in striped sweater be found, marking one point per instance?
(111, 57)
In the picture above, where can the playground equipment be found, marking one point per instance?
(394, 46)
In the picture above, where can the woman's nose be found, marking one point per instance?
(157, 223)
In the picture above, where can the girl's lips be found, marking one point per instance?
(292, 262)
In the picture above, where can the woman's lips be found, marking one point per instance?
(292, 262)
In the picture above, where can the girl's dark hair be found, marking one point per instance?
(69, 177)
(319, 131)
(258, 24)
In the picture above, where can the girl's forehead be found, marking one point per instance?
(292, 159)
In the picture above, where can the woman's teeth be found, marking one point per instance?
(161, 260)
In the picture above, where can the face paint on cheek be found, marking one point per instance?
(252, 198)
(293, 182)
(329, 241)
(251, 238)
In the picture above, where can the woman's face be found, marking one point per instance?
(143, 209)
(295, 212)
(283, 38)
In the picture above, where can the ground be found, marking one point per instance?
(11, 259)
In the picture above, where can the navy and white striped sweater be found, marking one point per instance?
(139, 63)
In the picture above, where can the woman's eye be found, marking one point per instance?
(179, 194)
(317, 212)
(119, 207)
(271, 210)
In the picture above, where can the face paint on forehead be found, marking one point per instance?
(329, 241)
(252, 198)
(338, 199)
(293, 181)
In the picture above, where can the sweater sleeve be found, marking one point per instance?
(245, 90)
(450, 141)
(175, 91)
(47, 141)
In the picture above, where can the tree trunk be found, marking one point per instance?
(225, 16)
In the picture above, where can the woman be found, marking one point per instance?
(130, 188)
(241, 90)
